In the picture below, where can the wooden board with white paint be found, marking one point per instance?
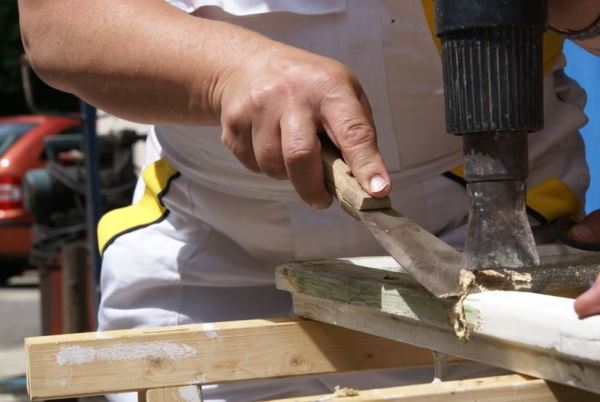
(185, 393)
(131, 360)
(530, 333)
(488, 389)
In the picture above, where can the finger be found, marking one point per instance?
(266, 141)
(237, 136)
(349, 124)
(588, 303)
(302, 157)
(588, 230)
(366, 105)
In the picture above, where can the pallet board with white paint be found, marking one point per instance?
(529, 333)
(72, 365)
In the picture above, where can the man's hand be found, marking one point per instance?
(574, 15)
(588, 231)
(174, 68)
(273, 106)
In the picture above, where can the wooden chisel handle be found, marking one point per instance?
(343, 185)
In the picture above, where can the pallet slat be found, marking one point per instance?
(94, 363)
(489, 389)
(529, 333)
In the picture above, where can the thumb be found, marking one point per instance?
(350, 127)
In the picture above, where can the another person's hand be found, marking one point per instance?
(274, 105)
(588, 231)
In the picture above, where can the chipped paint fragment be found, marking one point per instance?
(189, 393)
(210, 330)
(340, 392)
(200, 379)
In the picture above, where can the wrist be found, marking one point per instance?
(572, 15)
(223, 61)
(589, 32)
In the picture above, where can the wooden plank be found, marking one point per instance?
(186, 393)
(563, 271)
(341, 183)
(529, 333)
(116, 361)
(489, 389)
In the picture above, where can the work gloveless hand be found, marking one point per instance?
(588, 231)
(273, 106)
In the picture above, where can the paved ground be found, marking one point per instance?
(19, 318)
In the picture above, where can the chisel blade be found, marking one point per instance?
(433, 263)
(498, 230)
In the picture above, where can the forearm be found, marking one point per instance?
(143, 60)
(575, 15)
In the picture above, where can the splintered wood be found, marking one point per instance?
(529, 333)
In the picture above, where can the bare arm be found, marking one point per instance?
(140, 59)
(146, 61)
(574, 15)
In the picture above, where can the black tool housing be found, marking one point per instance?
(492, 64)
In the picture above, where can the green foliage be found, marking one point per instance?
(12, 99)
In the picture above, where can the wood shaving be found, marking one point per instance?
(341, 392)
(457, 314)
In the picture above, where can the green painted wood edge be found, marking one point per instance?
(390, 292)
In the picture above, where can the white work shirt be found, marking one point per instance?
(388, 45)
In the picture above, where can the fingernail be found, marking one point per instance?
(377, 184)
(320, 205)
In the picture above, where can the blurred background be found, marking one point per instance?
(62, 165)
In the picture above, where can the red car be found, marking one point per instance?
(21, 149)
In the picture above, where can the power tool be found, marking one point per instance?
(493, 89)
(493, 76)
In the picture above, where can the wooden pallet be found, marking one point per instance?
(517, 329)
(169, 364)
(390, 322)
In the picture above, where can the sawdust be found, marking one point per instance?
(482, 281)
(341, 392)
(503, 279)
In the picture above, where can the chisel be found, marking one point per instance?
(432, 262)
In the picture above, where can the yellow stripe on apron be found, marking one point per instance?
(547, 201)
(148, 210)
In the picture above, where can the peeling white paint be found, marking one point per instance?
(198, 380)
(75, 354)
(189, 393)
(538, 321)
(210, 330)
